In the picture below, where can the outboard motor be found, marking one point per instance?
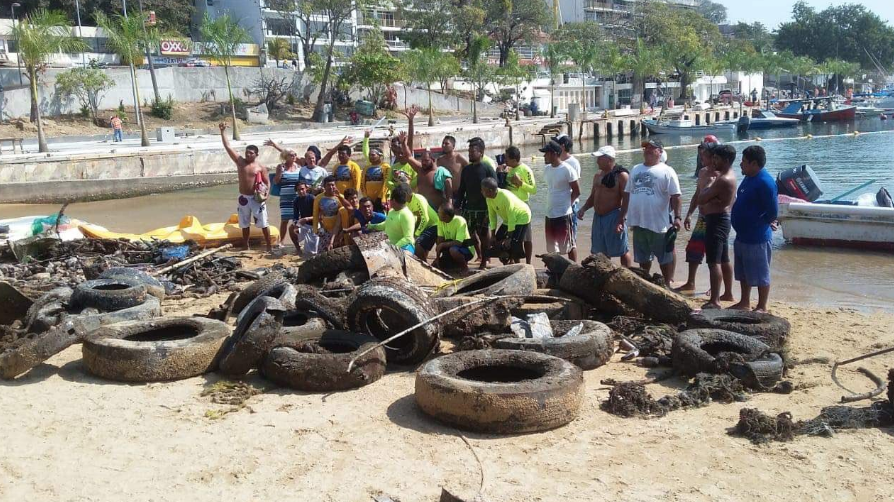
(744, 124)
(883, 198)
(799, 182)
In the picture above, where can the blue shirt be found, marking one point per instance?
(755, 208)
(376, 218)
(303, 207)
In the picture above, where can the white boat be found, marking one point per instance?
(686, 127)
(862, 227)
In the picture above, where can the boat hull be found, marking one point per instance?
(848, 113)
(762, 124)
(869, 228)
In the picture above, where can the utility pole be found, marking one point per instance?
(80, 34)
(144, 137)
(149, 57)
(18, 49)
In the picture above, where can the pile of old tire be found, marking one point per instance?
(500, 391)
(517, 279)
(767, 328)
(291, 297)
(471, 315)
(256, 328)
(384, 307)
(591, 348)
(330, 263)
(717, 351)
(62, 317)
(557, 304)
(153, 286)
(155, 350)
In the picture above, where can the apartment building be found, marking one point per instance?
(609, 13)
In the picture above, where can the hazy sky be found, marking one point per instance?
(773, 12)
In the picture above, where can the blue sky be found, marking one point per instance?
(773, 12)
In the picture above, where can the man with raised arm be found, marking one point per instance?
(254, 187)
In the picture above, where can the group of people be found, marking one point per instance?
(478, 207)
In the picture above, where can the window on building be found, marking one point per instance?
(278, 26)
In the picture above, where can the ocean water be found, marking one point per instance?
(822, 276)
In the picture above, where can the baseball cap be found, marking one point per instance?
(710, 141)
(608, 151)
(564, 141)
(552, 146)
(653, 143)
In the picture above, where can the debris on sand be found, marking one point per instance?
(651, 339)
(227, 392)
(630, 399)
(760, 428)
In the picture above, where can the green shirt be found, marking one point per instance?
(425, 215)
(528, 186)
(398, 226)
(455, 230)
(509, 208)
(403, 167)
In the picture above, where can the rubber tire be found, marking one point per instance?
(518, 279)
(330, 263)
(534, 304)
(33, 349)
(761, 374)
(311, 300)
(153, 286)
(48, 310)
(256, 289)
(87, 295)
(592, 348)
(539, 404)
(258, 325)
(286, 366)
(371, 298)
(690, 358)
(770, 329)
(288, 334)
(88, 323)
(107, 353)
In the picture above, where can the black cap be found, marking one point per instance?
(652, 142)
(565, 141)
(552, 146)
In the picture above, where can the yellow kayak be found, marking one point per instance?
(210, 235)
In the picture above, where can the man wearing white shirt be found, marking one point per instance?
(562, 190)
(567, 145)
(652, 192)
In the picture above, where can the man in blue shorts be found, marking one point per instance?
(754, 219)
(605, 198)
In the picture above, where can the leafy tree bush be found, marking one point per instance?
(87, 85)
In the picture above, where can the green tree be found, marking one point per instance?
(126, 37)
(585, 45)
(429, 65)
(514, 74)
(171, 15)
(372, 67)
(478, 72)
(336, 14)
(512, 21)
(87, 85)
(554, 57)
(287, 10)
(41, 34)
(755, 33)
(428, 23)
(221, 37)
(279, 50)
(644, 61)
(850, 32)
(712, 11)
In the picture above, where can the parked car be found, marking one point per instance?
(195, 63)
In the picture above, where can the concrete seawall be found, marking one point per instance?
(201, 161)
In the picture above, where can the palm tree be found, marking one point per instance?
(127, 38)
(553, 56)
(279, 50)
(429, 65)
(222, 36)
(644, 61)
(42, 34)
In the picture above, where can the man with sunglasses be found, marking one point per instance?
(605, 198)
(649, 197)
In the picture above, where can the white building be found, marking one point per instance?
(609, 13)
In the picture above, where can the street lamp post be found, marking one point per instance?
(80, 33)
(18, 49)
(133, 78)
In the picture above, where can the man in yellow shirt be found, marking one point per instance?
(349, 203)
(426, 223)
(455, 247)
(519, 179)
(515, 216)
(347, 173)
(326, 218)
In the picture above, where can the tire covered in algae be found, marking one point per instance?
(519, 279)
(330, 263)
(269, 283)
(32, 349)
(258, 325)
(383, 310)
(108, 295)
(713, 350)
(500, 391)
(589, 349)
(153, 286)
(319, 362)
(157, 350)
(770, 329)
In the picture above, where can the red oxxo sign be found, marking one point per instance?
(174, 48)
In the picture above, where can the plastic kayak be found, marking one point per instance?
(210, 235)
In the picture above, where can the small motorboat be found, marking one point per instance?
(838, 225)
(823, 109)
(687, 127)
(765, 119)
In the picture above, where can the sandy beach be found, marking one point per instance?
(71, 436)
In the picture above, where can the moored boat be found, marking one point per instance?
(823, 109)
(765, 119)
(687, 127)
(861, 227)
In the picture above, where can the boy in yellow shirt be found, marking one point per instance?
(515, 215)
(455, 247)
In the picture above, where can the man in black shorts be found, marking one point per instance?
(470, 199)
(715, 202)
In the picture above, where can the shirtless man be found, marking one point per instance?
(605, 198)
(716, 202)
(435, 183)
(250, 173)
(450, 159)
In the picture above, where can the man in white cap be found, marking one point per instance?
(605, 198)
